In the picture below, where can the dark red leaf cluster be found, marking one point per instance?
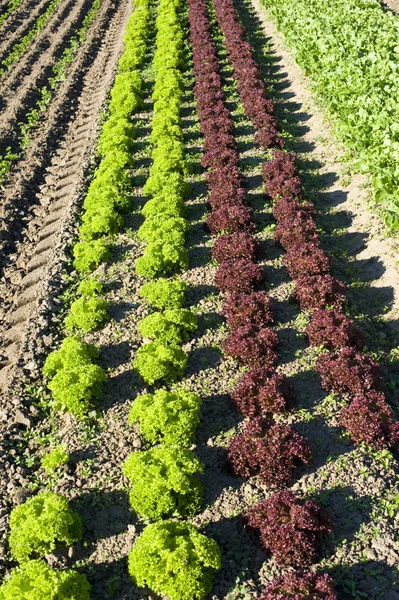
(295, 231)
(300, 586)
(269, 450)
(262, 392)
(287, 208)
(265, 448)
(306, 259)
(280, 176)
(234, 246)
(291, 530)
(230, 219)
(236, 276)
(369, 419)
(252, 346)
(349, 372)
(319, 291)
(248, 309)
(250, 84)
(332, 329)
(229, 194)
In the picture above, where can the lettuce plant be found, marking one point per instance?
(164, 293)
(167, 417)
(36, 580)
(269, 450)
(107, 190)
(287, 208)
(229, 219)
(74, 380)
(369, 419)
(87, 314)
(38, 525)
(349, 372)
(89, 287)
(174, 559)
(228, 192)
(234, 246)
(170, 327)
(238, 276)
(155, 362)
(161, 228)
(242, 310)
(290, 529)
(162, 258)
(164, 482)
(170, 180)
(88, 255)
(116, 134)
(262, 392)
(55, 459)
(163, 205)
(319, 291)
(281, 177)
(306, 259)
(252, 346)
(299, 585)
(332, 329)
(100, 221)
(295, 231)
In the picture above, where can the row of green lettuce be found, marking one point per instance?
(46, 522)
(350, 50)
(171, 557)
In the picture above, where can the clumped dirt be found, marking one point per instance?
(357, 487)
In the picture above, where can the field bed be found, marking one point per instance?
(34, 197)
(41, 212)
(19, 23)
(22, 83)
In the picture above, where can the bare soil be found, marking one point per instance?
(392, 4)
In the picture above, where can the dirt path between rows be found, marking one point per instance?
(25, 278)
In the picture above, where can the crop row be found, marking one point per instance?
(45, 520)
(350, 51)
(23, 44)
(171, 558)
(46, 93)
(265, 448)
(11, 7)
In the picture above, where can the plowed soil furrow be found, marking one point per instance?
(17, 26)
(20, 92)
(53, 182)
